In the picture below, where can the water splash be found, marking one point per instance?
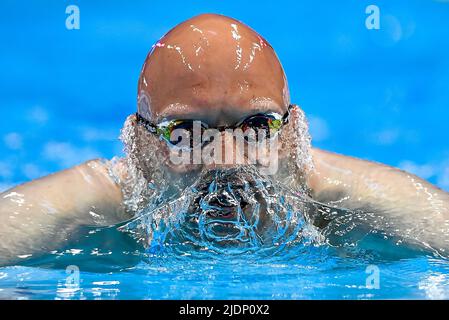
(238, 209)
(233, 211)
(218, 209)
(145, 162)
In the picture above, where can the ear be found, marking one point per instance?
(143, 105)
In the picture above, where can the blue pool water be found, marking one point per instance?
(121, 270)
(329, 277)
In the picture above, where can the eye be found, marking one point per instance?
(272, 123)
(166, 130)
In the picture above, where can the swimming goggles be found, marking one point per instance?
(270, 122)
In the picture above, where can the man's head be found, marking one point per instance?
(213, 68)
(217, 70)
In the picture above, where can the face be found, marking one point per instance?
(213, 69)
(222, 206)
(218, 72)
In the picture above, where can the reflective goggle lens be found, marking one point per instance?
(167, 128)
(271, 123)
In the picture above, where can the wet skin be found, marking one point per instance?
(218, 70)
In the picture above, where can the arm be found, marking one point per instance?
(42, 215)
(408, 206)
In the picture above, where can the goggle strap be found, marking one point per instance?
(286, 116)
(146, 123)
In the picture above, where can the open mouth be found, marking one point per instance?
(227, 208)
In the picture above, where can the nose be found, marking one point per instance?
(231, 153)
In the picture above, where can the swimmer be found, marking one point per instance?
(216, 70)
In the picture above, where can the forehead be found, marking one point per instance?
(212, 68)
